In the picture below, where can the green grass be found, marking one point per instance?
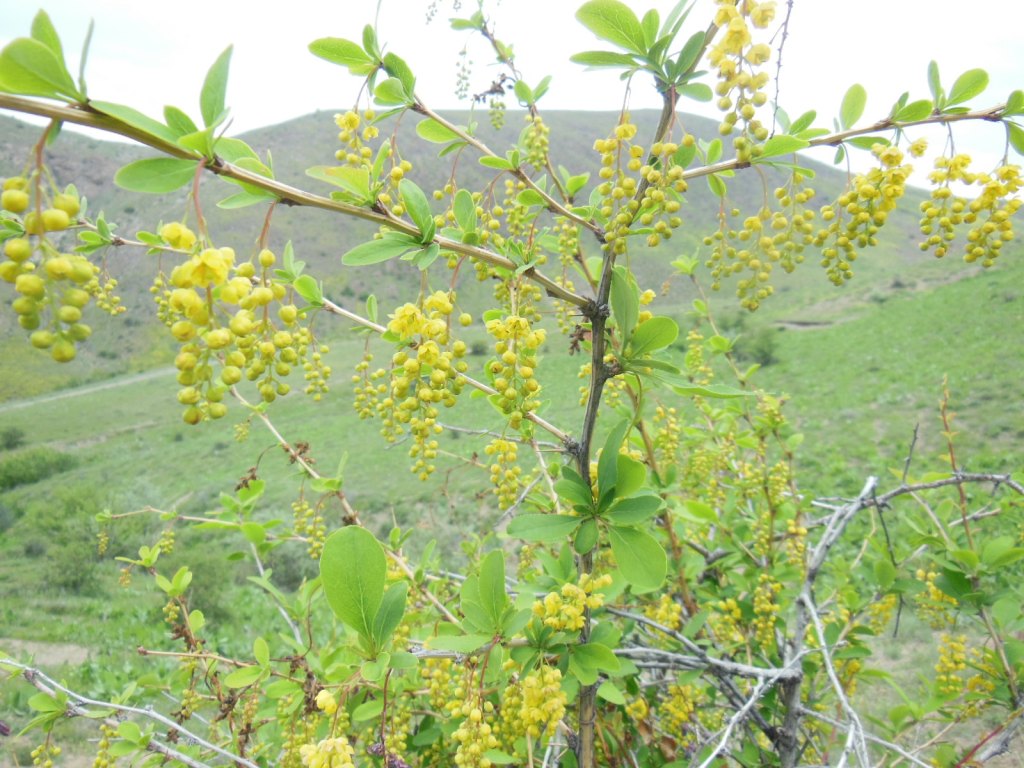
(859, 387)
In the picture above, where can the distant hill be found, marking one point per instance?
(136, 341)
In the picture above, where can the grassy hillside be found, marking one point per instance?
(136, 342)
(861, 366)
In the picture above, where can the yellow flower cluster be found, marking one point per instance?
(677, 711)
(565, 610)
(738, 61)
(250, 343)
(935, 605)
(766, 609)
(543, 701)
(326, 702)
(881, 611)
(666, 612)
(952, 661)
(725, 621)
(505, 473)
(355, 153)
(866, 206)
(423, 376)
(990, 212)
(475, 736)
(512, 370)
(328, 753)
(210, 267)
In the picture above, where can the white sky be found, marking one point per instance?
(147, 54)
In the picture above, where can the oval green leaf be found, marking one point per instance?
(641, 558)
(352, 568)
(156, 175)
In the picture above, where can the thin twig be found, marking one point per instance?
(49, 686)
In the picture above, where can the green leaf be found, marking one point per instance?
(43, 31)
(543, 528)
(43, 702)
(236, 151)
(529, 197)
(242, 677)
(1015, 135)
(608, 463)
(802, 123)
(853, 106)
(654, 334)
(254, 532)
(597, 656)
(867, 142)
(696, 91)
(370, 41)
(885, 573)
(649, 25)
(244, 199)
(575, 183)
(436, 133)
(542, 88)
(586, 536)
(611, 693)
(497, 757)
(396, 67)
(572, 488)
(597, 59)
(391, 92)
(625, 300)
(136, 119)
(492, 587)
(465, 211)
(459, 643)
(634, 510)
(523, 92)
(630, 475)
(368, 710)
(698, 511)
(498, 163)
(200, 141)
(419, 209)
(641, 558)
(782, 144)
(477, 618)
(344, 53)
(29, 67)
(938, 95)
(714, 151)
(424, 257)
(970, 84)
(354, 180)
(309, 289)
(915, 110)
(716, 185)
(390, 613)
(156, 175)
(1014, 103)
(352, 568)
(390, 246)
(178, 121)
(215, 86)
(615, 22)
(261, 652)
(711, 390)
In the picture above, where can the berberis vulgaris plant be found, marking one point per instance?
(663, 592)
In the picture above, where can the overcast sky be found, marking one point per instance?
(148, 54)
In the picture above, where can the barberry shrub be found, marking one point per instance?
(660, 591)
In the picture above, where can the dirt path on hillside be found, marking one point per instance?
(46, 656)
(87, 389)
